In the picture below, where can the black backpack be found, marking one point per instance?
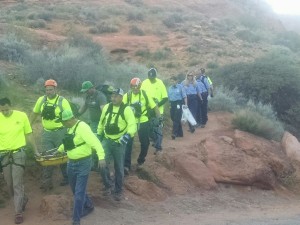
(137, 106)
(113, 128)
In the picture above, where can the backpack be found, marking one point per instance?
(137, 108)
(68, 140)
(58, 102)
(113, 128)
(107, 90)
(48, 112)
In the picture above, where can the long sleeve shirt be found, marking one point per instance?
(86, 141)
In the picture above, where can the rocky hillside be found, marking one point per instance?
(172, 34)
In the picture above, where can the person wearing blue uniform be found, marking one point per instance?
(202, 114)
(177, 98)
(191, 90)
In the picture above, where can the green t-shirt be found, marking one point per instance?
(139, 98)
(39, 106)
(156, 90)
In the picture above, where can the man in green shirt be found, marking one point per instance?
(139, 101)
(156, 89)
(49, 107)
(15, 131)
(118, 125)
(79, 143)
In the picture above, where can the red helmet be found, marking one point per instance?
(135, 82)
(50, 83)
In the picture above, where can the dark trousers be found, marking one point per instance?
(203, 108)
(193, 106)
(143, 133)
(113, 151)
(176, 113)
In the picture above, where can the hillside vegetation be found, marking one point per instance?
(242, 44)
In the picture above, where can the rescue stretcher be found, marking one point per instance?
(49, 158)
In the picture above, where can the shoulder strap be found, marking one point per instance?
(76, 126)
(60, 99)
(202, 80)
(43, 102)
(146, 97)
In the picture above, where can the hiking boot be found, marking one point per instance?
(173, 136)
(202, 126)
(25, 200)
(126, 171)
(64, 182)
(75, 223)
(18, 218)
(118, 197)
(139, 166)
(106, 192)
(87, 211)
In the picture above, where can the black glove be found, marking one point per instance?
(124, 139)
(211, 95)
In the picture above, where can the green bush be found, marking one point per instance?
(47, 16)
(134, 30)
(173, 20)
(37, 24)
(76, 60)
(226, 100)
(135, 16)
(13, 49)
(106, 27)
(145, 53)
(255, 123)
(161, 54)
(273, 79)
(135, 2)
(247, 35)
(212, 65)
(289, 39)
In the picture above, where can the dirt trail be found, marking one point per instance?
(227, 205)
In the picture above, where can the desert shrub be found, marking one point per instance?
(250, 22)
(226, 100)
(255, 123)
(134, 30)
(135, 2)
(13, 49)
(247, 35)
(76, 60)
(93, 30)
(106, 27)
(135, 16)
(289, 39)
(173, 20)
(37, 24)
(194, 49)
(161, 54)
(145, 53)
(47, 16)
(272, 79)
(212, 65)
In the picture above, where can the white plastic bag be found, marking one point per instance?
(187, 115)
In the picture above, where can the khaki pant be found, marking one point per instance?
(13, 175)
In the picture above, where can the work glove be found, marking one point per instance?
(124, 139)
(101, 164)
(211, 95)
